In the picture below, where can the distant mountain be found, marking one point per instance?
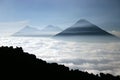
(85, 30)
(50, 30)
(27, 31)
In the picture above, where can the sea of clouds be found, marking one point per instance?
(91, 57)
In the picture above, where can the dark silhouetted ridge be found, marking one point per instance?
(16, 63)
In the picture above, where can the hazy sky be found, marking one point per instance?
(62, 13)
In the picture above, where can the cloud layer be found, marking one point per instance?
(91, 57)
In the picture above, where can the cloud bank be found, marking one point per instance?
(117, 33)
(91, 57)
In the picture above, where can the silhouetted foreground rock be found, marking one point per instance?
(16, 63)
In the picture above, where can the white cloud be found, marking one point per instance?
(8, 28)
(91, 57)
(117, 33)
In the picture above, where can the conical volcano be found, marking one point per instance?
(83, 27)
(84, 30)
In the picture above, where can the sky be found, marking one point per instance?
(62, 13)
(16, 14)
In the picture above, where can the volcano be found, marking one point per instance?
(85, 30)
(83, 27)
